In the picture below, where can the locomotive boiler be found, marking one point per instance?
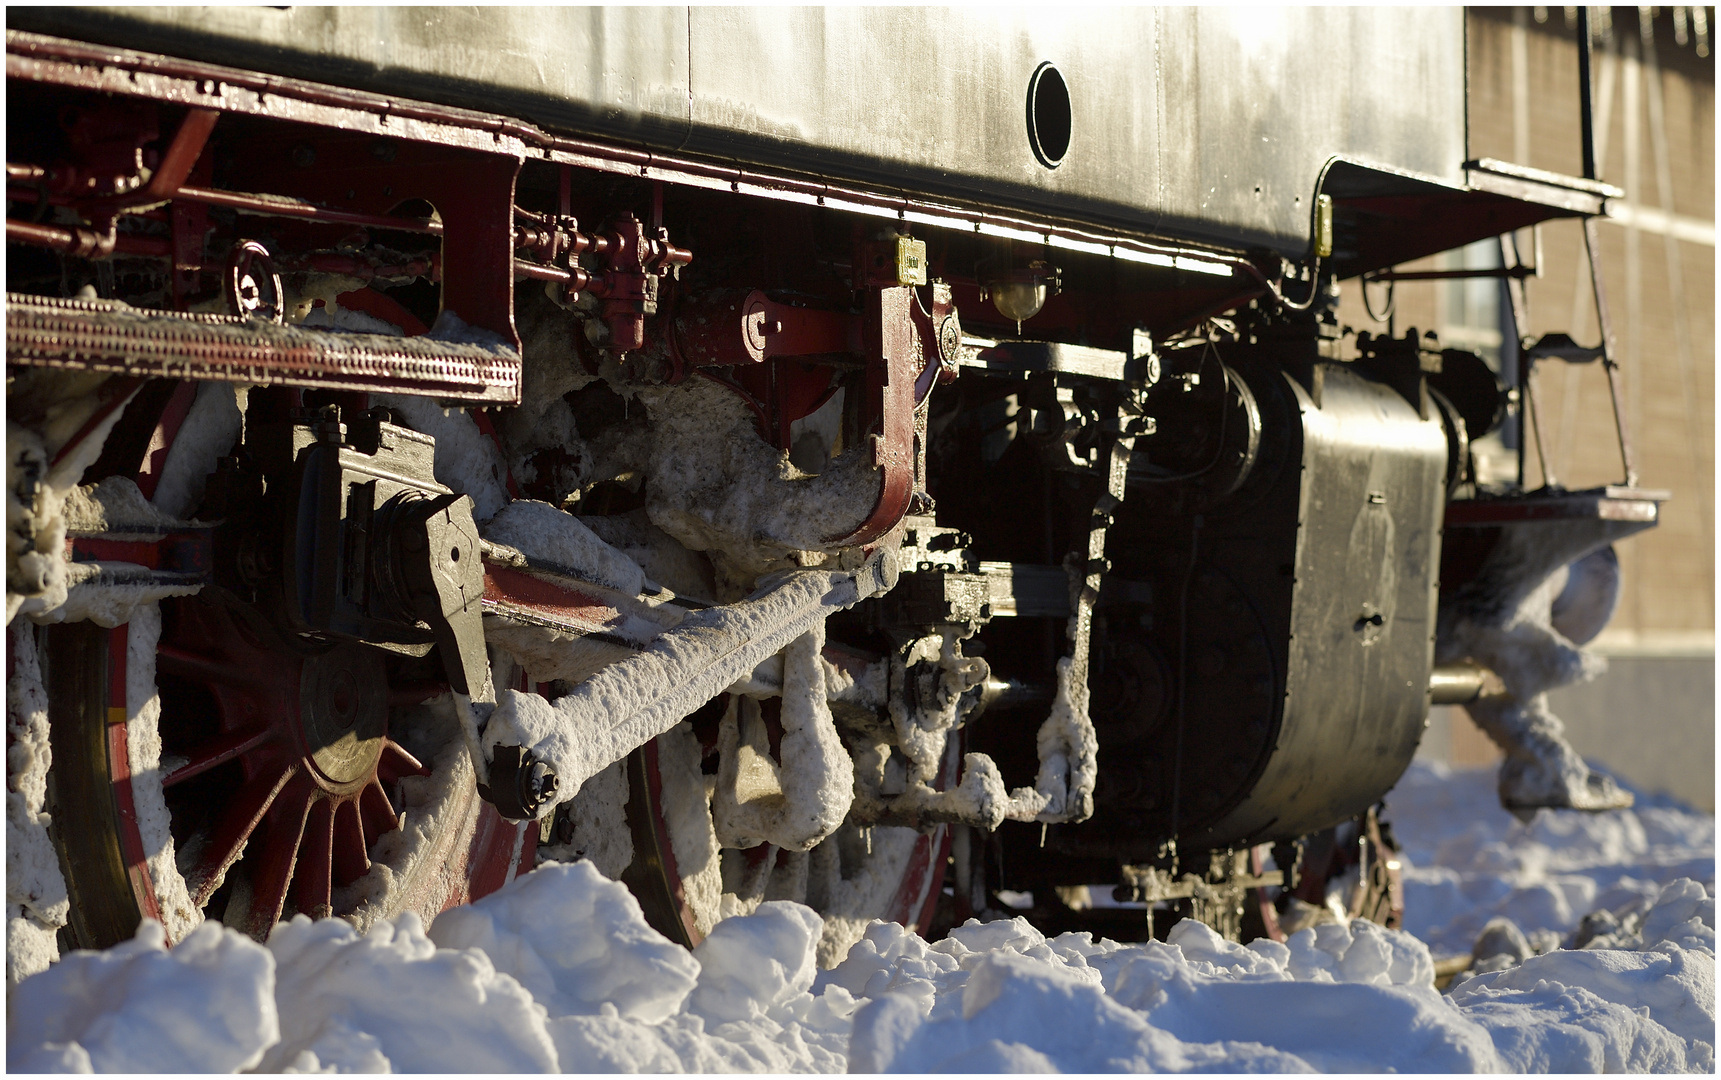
(881, 458)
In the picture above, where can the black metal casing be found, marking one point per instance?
(1304, 623)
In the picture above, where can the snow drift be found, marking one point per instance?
(559, 972)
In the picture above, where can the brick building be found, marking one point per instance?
(1650, 719)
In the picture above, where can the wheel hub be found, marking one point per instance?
(343, 716)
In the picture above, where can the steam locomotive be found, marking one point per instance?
(901, 460)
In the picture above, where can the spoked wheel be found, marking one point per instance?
(685, 883)
(207, 765)
(309, 761)
(1354, 867)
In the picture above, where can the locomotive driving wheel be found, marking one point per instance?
(282, 779)
(309, 734)
(685, 882)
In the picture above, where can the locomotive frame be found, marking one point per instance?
(919, 338)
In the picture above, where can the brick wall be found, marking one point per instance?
(1654, 101)
(1660, 287)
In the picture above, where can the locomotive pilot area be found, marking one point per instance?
(855, 539)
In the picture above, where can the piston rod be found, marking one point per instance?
(1460, 684)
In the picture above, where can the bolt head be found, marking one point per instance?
(542, 780)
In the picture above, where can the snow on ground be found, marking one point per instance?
(1470, 861)
(558, 971)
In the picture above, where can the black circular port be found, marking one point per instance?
(1048, 115)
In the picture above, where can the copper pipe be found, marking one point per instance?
(278, 207)
(182, 154)
(170, 173)
(239, 200)
(540, 272)
(577, 280)
(87, 243)
(81, 242)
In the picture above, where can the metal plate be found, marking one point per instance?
(1362, 612)
(931, 99)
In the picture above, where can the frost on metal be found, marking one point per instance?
(36, 901)
(636, 699)
(46, 455)
(466, 461)
(899, 794)
(108, 592)
(211, 429)
(600, 833)
(1505, 622)
(716, 487)
(559, 539)
(143, 749)
(800, 802)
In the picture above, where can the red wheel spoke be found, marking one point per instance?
(396, 763)
(173, 660)
(272, 868)
(220, 749)
(376, 813)
(236, 825)
(313, 880)
(351, 858)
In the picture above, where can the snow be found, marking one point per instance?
(333, 316)
(600, 831)
(451, 327)
(558, 970)
(541, 937)
(1503, 619)
(799, 804)
(550, 369)
(1066, 744)
(208, 1005)
(1001, 992)
(413, 867)
(1069, 752)
(143, 755)
(548, 535)
(393, 998)
(36, 901)
(846, 892)
(717, 487)
(686, 809)
(1611, 1010)
(211, 428)
(1469, 861)
(687, 573)
(467, 460)
(37, 485)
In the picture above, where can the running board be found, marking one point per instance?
(107, 335)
